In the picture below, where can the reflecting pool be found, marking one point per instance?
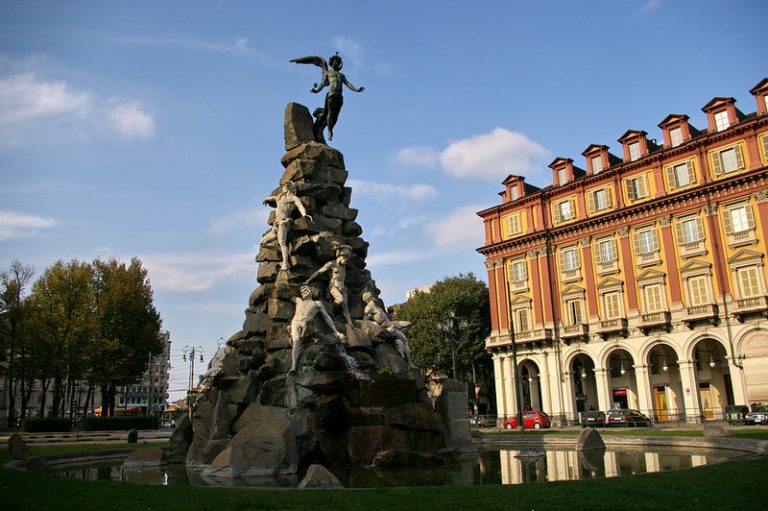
(503, 464)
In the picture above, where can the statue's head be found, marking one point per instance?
(335, 62)
(367, 296)
(305, 291)
(290, 186)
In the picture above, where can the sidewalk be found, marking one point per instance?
(86, 437)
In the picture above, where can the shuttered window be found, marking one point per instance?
(574, 311)
(612, 303)
(654, 301)
(513, 224)
(698, 289)
(749, 282)
(606, 251)
(679, 175)
(689, 230)
(519, 272)
(569, 260)
(599, 200)
(637, 188)
(646, 241)
(727, 160)
(764, 142)
(738, 219)
(564, 211)
(523, 320)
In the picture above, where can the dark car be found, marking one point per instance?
(738, 414)
(592, 418)
(627, 418)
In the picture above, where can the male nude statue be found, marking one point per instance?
(285, 202)
(306, 310)
(337, 285)
(373, 312)
(334, 79)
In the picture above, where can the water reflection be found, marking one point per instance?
(493, 466)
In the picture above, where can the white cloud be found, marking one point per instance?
(350, 50)
(418, 157)
(196, 271)
(651, 5)
(131, 121)
(25, 98)
(254, 217)
(20, 225)
(491, 156)
(387, 191)
(32, 107)
(460, 230)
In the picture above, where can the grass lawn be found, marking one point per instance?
(725, 486)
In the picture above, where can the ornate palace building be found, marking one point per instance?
(639, 281)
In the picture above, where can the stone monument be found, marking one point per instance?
(311, 378)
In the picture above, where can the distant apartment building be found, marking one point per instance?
(637, 280)
(151, 392)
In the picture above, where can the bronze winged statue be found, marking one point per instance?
(332, 78)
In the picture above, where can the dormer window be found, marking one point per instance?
(563, 171)
(676, 136)
(514, 193)
(721, 120)
(597, 164)
(562, 176)
(760, 91)
(634, 151)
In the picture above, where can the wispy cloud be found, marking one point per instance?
(237, 46)
(490, 156)
(20, 225)
(651, 5)
(460, 230)
(350, 50)
(241, 219)
(131, 121)
(197, 271)
(388, 191)
(32, 107)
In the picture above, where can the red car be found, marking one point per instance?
(533, 419)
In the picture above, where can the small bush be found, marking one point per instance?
(121, 423)
(47, 424)
(384, 371)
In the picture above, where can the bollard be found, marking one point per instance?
(133, 436)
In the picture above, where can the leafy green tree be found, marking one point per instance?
(14, 321)
(61, 303)
(127, 327)
(466, 298)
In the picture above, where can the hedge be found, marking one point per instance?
(120, 423)
(47, 424)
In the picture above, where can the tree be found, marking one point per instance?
(61, 301)
(467, 298)
(13, 332)
(127, 327)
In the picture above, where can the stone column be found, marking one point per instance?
(643, 382)
(568, 408)
(603, 392)
(737, 381)
(499, 381)
(690, 390)
(509, 386)
(546, 384)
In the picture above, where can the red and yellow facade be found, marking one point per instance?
(640, 280)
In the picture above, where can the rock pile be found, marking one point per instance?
(346, 403)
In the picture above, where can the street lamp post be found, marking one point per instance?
(452, 328)
(192, 353)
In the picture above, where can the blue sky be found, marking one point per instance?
(154, 129)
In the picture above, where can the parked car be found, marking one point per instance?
(532, 419)
(627, 418)
(483, 421)
(759, 414)
(738, 414)
(592, 418)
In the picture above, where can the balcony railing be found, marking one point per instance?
(694, 248)
(518, 286)
(701, 313)
(655, 320)
(612, 326)
(576, 331)
(534, 335)
(570, 275)
(647, 258)
(742, 237)
(752, 305)
(608, 267)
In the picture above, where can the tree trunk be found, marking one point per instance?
(104, 402)
(45, 384)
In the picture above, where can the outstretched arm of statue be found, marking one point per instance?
(350, 86)
(329, 322)
(322, 270)
(301, 208)
(323, 83)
